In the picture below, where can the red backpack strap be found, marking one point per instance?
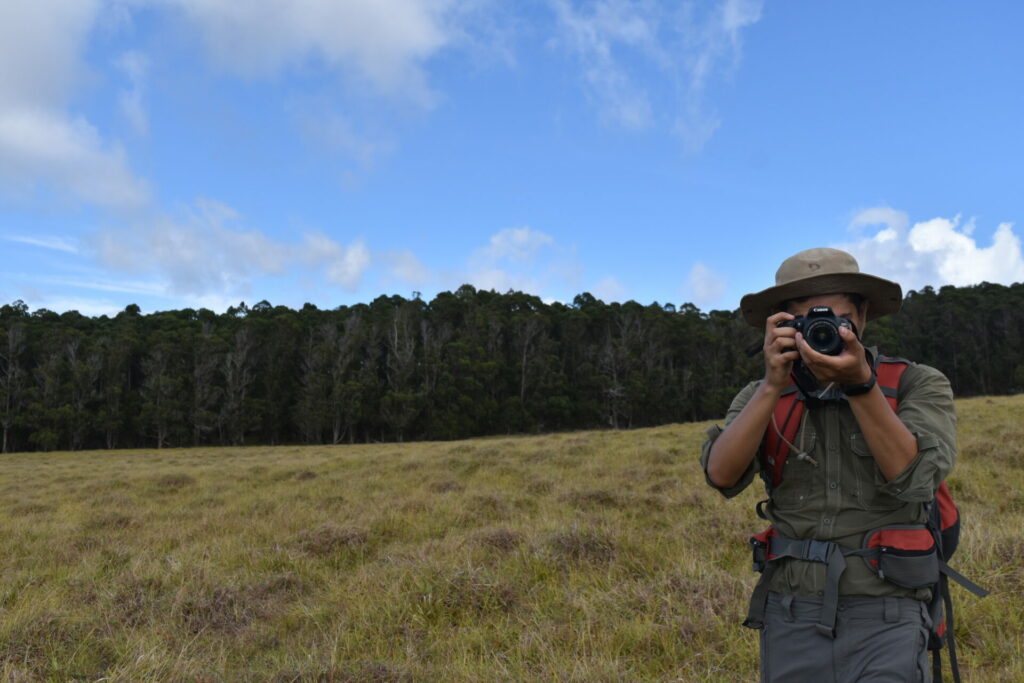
(889, 370)
(774, 451)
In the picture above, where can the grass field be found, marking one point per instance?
(596, 556)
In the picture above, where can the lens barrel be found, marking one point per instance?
(823, 337)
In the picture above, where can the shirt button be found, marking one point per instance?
(828, 521)
(833, 485)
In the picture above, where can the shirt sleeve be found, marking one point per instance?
(714, 431)
(926, 408)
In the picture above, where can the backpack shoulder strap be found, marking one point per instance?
(889, 370)
(774, 450)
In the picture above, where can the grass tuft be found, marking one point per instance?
(329, 539)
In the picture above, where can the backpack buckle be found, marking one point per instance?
(816, 551)
(759, 550)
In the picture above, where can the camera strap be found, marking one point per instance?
(810, 391)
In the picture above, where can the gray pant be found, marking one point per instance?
(877, 639)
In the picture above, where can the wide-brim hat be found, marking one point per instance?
(822, 271)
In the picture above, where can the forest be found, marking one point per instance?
(467, 363)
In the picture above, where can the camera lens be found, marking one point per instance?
(823, 337)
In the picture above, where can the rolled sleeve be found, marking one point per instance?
(715, 431)
(926, 408)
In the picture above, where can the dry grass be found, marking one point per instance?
(596, 556)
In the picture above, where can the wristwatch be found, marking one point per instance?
(858, 389)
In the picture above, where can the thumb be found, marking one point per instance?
(850, 337)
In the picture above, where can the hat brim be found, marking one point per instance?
(883, 296)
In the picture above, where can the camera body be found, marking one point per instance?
(820, 328)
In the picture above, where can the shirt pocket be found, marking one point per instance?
(867, 478)
(798, 475)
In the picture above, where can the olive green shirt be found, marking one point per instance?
(844, 495)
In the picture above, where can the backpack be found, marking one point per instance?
(908, 555)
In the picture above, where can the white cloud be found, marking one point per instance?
(518, 245)
(937, 252)
(704, 287)
(344, 266)
(621, 45)
(336, 132)
(40, 42)
(42, 146)
(134, 65)
(695, 128)
(40, 142)
(404, 266)
(377, 45)
(595, 39)
(719, 47)
(383, 42)
(523, 259)
(47, 242)
(609, 289)
(84, 305)
(208, 257)
(892, 219)
(101, 283)
(198, 253)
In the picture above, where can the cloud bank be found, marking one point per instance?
(207, 251)
(936, 252)
(41, 142)
(382, 42)
(379, 45)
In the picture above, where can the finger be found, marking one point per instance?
(783, 343)
(848, 335)
(808, 353)
(781, 336)
(779, 317)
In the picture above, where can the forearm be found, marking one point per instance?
(891, 443)
(733, 450)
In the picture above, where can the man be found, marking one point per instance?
(853, 466)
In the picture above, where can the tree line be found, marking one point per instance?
(466, 363)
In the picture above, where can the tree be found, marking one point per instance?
(161, 392)
(237, 368)
(83, 369)
(204, 416)
(400, 404)
(313, 408)
(12, 376)
(114, 386)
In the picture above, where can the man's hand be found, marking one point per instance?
(780, 350)
(849, 367)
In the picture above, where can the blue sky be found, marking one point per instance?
(188, 153)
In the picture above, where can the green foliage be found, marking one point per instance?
(465, 364)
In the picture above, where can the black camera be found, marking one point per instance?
(821, 329)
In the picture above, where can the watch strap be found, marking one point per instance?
(858, 389)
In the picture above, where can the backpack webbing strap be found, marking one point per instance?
(947, 600)
(937, 667)
(811, 550)
(962, 580)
